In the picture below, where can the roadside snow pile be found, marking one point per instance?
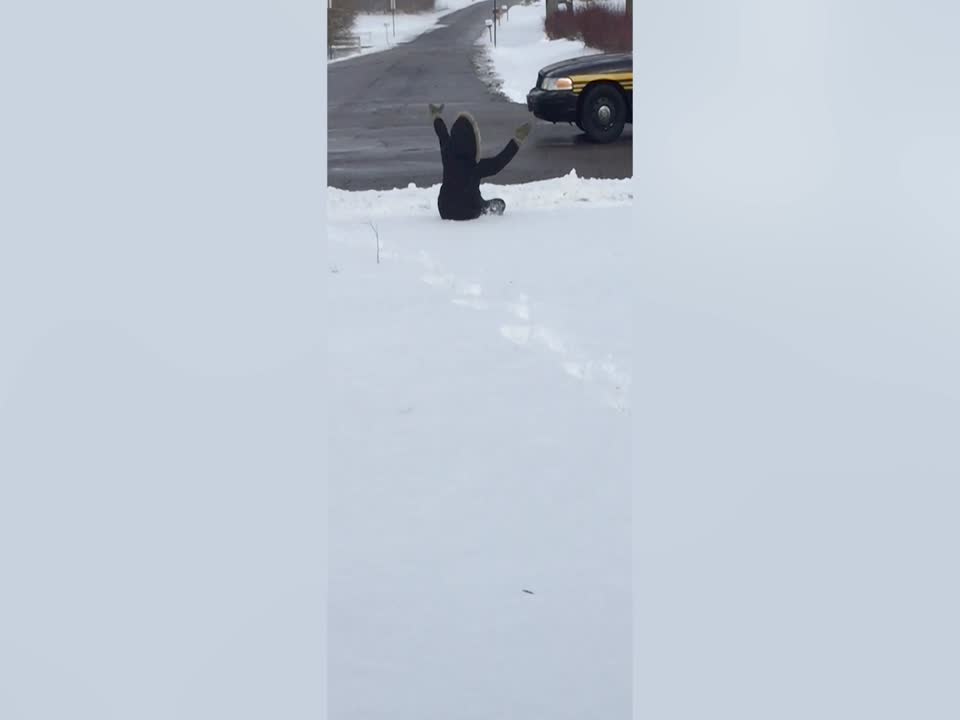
(522, 49)
(422, 202)
(376, 30)
(480, 431)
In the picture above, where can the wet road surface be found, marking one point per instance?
(379, 131)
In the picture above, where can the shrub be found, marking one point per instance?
(597, 25)
(561, 25)
(339, 23)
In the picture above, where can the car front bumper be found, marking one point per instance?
(553, 105)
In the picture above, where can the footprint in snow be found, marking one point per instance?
(435, 280)
(550, 340)
(470, 303)
(518, 334)
(574, 369)
(520, 309)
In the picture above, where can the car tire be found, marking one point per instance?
(603, 113)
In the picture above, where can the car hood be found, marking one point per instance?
(600, 63)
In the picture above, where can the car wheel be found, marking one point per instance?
(603, 113)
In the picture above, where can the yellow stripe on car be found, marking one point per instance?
(618, 76)
(624, 79)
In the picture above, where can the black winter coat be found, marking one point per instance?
(463, 169)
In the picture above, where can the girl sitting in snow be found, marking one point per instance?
(463, 168)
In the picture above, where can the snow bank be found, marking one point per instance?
(480, 423)
(522, 49)
(377, 29)
(422, 202)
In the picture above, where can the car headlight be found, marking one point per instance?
(557, 84)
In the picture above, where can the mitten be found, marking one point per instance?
(521, 133)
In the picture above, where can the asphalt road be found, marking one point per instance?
(379, 131)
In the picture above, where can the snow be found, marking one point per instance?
(541, 195)
(480, 423)
(162, 361)
(522, 49)
(377, 29)
(798, 303)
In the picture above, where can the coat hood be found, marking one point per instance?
(465, 137)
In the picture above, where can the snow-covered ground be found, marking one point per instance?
(798, 304)
(376, 30)
(480, 430)
(522, 49)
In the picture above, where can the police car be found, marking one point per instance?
(594, 92)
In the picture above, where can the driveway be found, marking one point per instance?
(379, 132)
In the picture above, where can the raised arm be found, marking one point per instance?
(491, 166)
(441, 129)
(439, 126)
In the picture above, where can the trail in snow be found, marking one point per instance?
(605, 373)
(542, 320)
(482, 433)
